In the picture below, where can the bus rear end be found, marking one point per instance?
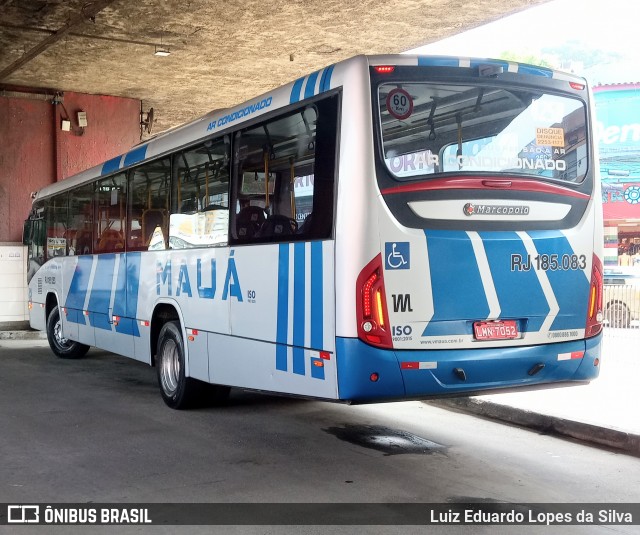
(486, 270)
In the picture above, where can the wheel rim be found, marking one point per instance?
(169, 367)
(57, 335)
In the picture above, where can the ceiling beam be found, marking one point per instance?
(87, 12)
(35, 29)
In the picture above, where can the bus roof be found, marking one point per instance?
(302, 88)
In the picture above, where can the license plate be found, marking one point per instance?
(495, 330)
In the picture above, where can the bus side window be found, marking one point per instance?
(200, 211)
(34, 237)
(80, 215)
(57, 224)
(285, 169)
(148, 205)
(110, 214)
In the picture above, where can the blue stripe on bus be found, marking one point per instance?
(111, 165)
(325, 81)
(438, 62)
(455, 281)
(78, 288)
(297, 93)
(298, 307)
(519, 292)
(570, 287)
(120, 297)
(310, 88)
(125, 302)
(136, 155)
(317, 291)
(101, 292)
(295, 90)
(455, 62)
(535, 71)
(133, 285)
(282, 319)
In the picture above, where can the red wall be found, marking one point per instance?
(35, 152)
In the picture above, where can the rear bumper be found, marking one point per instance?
(448, 372)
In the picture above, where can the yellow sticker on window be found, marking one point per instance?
(553, 137)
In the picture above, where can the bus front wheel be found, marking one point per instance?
(61, 346)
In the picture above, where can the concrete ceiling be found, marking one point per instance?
(222, 52)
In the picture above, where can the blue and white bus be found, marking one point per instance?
(389, 227)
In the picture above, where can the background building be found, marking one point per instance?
(618, 129)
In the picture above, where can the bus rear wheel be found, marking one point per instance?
(61, 346)
(178, 391)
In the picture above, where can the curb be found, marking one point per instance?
(552, 425)
(23, 335)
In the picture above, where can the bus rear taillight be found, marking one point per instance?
(371, 308)
(384, 69)
(594, 312)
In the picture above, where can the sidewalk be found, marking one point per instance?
(604, 412)
(19, 330)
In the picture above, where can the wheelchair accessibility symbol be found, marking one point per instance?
(397, 255)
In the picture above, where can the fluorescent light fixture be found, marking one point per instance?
(161, 52)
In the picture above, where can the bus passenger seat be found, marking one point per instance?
(278, 225)
(249, 221)
(111, 241)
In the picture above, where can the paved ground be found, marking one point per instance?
(603, 413)
(96, 430)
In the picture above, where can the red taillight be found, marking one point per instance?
(384, 69)
(577, 86)
(371, 308)
(594, 312)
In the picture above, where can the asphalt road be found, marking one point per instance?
(96, 430)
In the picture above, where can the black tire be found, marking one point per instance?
(62, 347)
(178, 391)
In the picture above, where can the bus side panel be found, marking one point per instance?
(252, 364)
(192, 282)
(94, 293)
(69, 317)
(90, 290)
(282, 320)
(106, 313)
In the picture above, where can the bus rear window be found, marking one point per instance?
(439, 128)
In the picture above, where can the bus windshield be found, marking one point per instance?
(436, 128)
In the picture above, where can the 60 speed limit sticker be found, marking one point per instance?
(399, 103)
